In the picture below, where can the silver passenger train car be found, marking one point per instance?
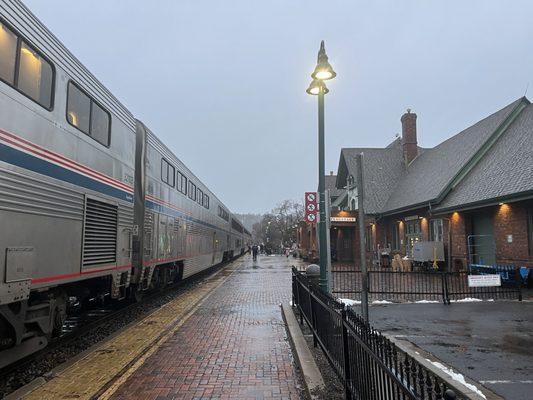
(92, 203)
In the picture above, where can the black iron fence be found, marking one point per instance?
(403, 286)
(370, 366)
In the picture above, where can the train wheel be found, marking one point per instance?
(137, 295)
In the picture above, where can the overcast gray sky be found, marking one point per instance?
(223, 82)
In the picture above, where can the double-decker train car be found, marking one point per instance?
(92, 203)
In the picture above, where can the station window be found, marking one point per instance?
(200, 197)
(369, 239)
(86, 115)
(167, 172)
(396, 236)
(192, 191)
(25, 69)
(436, 231)
(181, 183)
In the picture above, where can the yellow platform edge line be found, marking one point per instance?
(93, 389)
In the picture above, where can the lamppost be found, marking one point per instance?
(323, 72)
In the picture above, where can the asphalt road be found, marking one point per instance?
(491, 342)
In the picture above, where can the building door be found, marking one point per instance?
(481, 246)
(413, 234)
(345, 244)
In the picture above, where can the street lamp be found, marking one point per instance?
(323, 71)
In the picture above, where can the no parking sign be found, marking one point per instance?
(311, 207)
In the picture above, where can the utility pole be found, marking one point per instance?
(362, 248)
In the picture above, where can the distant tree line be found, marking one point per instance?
(277, 229)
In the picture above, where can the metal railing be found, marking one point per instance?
(403, 286)
(370, 366)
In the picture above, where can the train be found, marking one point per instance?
(92, 203)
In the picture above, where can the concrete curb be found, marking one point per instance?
(426, 359)
(312, 376)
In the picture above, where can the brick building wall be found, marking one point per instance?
(511, 234)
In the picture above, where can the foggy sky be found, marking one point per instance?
(222, 83)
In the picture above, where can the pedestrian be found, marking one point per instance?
(254, 252)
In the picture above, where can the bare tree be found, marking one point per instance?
(277, 229)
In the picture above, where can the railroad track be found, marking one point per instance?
(93, 330)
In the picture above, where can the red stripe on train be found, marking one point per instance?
(35, 149)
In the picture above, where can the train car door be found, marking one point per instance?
(215, 247)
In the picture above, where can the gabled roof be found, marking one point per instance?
(504, 172)
(331, 185)
(392, 186)
(428, 177)
(381, 169)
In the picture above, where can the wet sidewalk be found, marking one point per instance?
(491, 342)
(234, 346)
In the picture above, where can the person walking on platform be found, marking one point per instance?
(254, 252)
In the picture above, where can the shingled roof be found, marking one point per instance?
(392, 186)
(381, 168)
(505, 172)
(334, 192)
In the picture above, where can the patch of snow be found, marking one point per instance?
(427, 301)
(381, 302)
(348, 302)
(466, 300)
(457, 377)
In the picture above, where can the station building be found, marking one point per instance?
(473, 192)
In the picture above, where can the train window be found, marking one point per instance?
(223, 213)
(35, 76)
(167, 172)
(192, 191)
(206, 201)
(181, 183)
(200, 197)
(100, 124)
(8, 54)
(78, 108)
(88, 116)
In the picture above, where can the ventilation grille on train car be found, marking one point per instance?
(100, 236)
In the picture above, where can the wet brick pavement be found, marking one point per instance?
(233, 347)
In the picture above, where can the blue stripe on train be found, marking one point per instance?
(43, 167)
(175, 213)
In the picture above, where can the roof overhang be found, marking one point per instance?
(515, 197)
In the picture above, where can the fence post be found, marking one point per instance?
(298, 284)
(445, 294)
(313, 323)
(347, 392)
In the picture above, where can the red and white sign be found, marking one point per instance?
(311, 207)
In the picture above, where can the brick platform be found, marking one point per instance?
(233, 347)
(109, 363)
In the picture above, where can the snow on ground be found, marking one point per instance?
(466, 300)
(457, 377)
(381, 302)
(427, 301)
(348, 302)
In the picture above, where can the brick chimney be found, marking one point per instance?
(409, 142)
